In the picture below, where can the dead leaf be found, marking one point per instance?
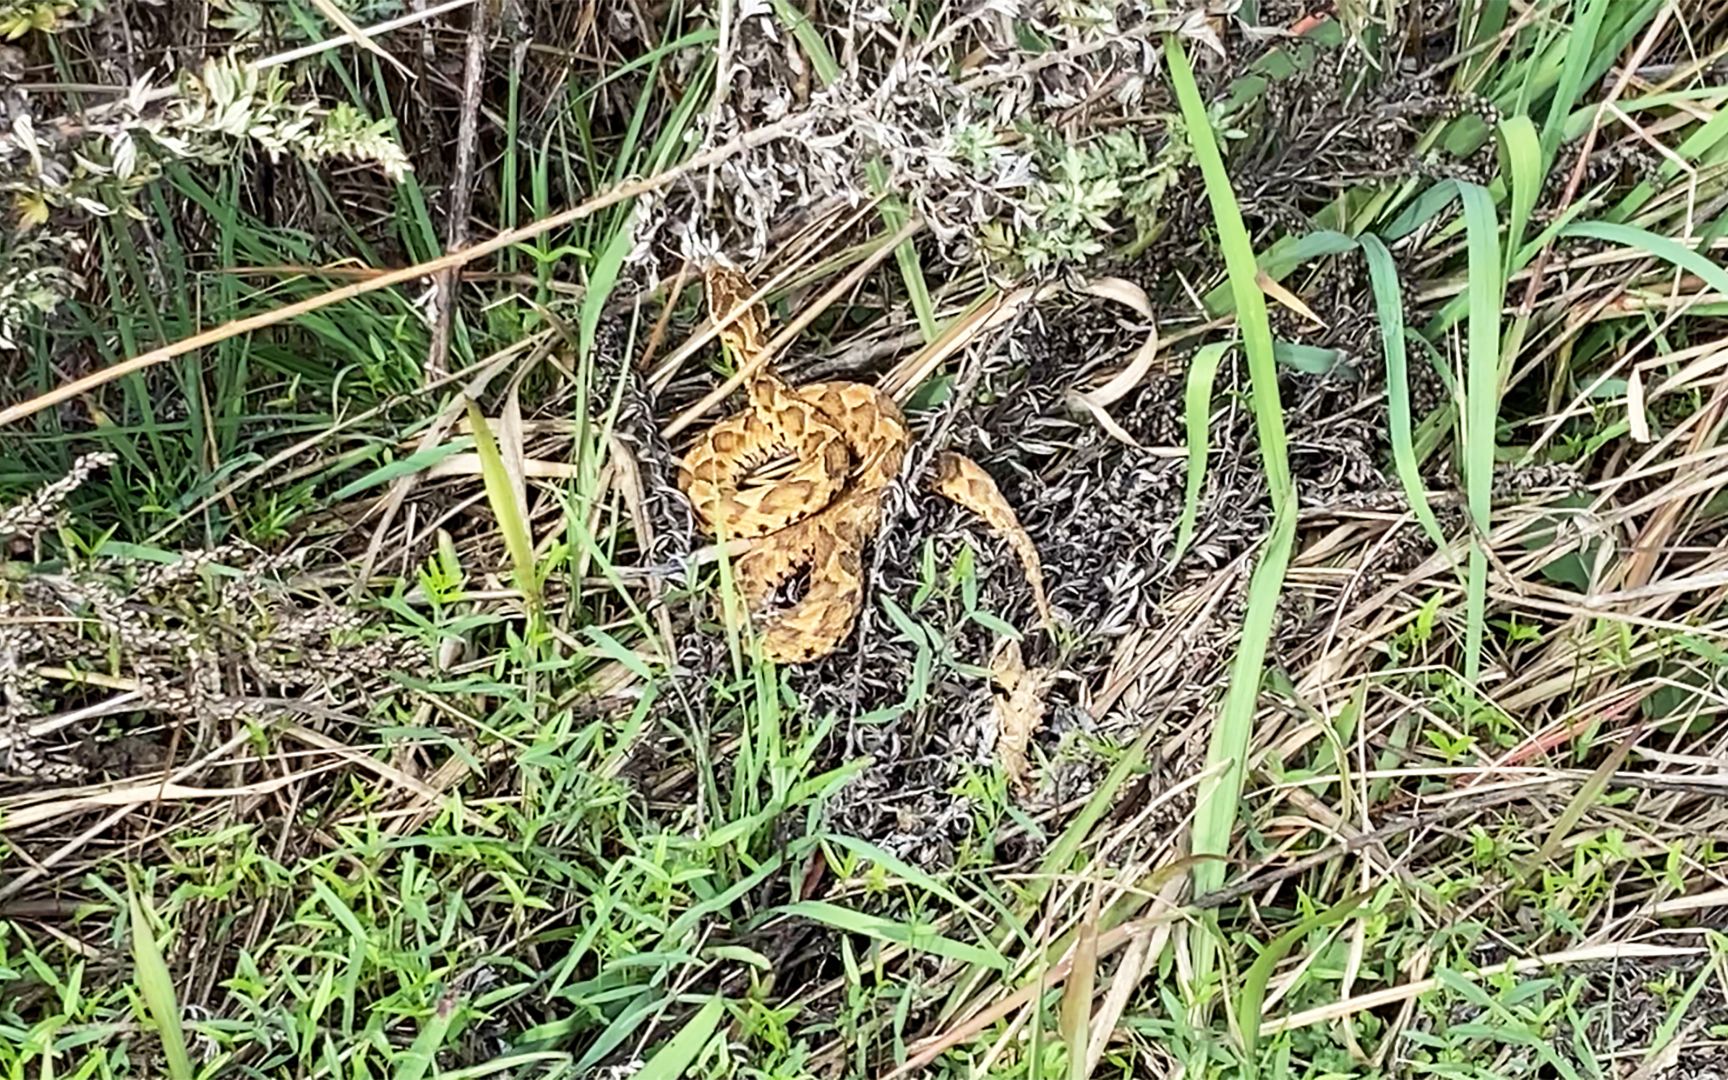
(1097, 401)
(1019, 710)
(1076, 1010)
(1119, 384)
(1197, 26)
(1637, 419)
(1123, 292)
(1116, 431)
(1287, 298)
(349, 28)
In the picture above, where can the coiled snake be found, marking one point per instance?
(835, 448)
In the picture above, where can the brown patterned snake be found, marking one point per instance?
(803, 470)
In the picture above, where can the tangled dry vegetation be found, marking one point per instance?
(342, 733)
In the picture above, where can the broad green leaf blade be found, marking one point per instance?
(156, 986)
(1424, 209)
(679, 1053)
(1389, 305)
(602, 278)
(1523, 152)
(912, 875)
(1283, 257)
(1486, 294)
(501, 496)
(1580, 47)
(1660, 247)
(1216, 800)
(1196, 411)
(628, 1017)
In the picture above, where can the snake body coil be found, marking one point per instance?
(834, 448)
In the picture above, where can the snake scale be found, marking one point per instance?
(802, 471)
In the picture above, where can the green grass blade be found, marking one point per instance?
(501, 495)
(156, 986)
(413, 463)
(894, 216)
(914, 937)
(1389, 305)
(1484, 20)
(1279, 260)
(1058, 859)
(1580, 47)
(1215, 809)
(912, 875)
(1259, 974)
(679, 1053)
(1284, 257)
(1523, 150)
(1421, 210)
(1486, 293)
(1692, 149)
(419, 1058)
(1660, 247)
(602, 278)
(1196, 411)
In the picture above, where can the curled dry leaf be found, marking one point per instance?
(1116, 431)
(1098, 400)
(1123, 292)
(1019, 710)
(1129, 377)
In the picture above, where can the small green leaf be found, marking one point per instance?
(681, 1051)
(156, 986)
(1196, 413)
(915, 937)
(501, 495)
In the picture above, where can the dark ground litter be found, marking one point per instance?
(1104, 515)
(1616, 1007)
(911, 690)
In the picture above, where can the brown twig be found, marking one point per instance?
(461, 188)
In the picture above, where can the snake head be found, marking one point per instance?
(743, 325)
